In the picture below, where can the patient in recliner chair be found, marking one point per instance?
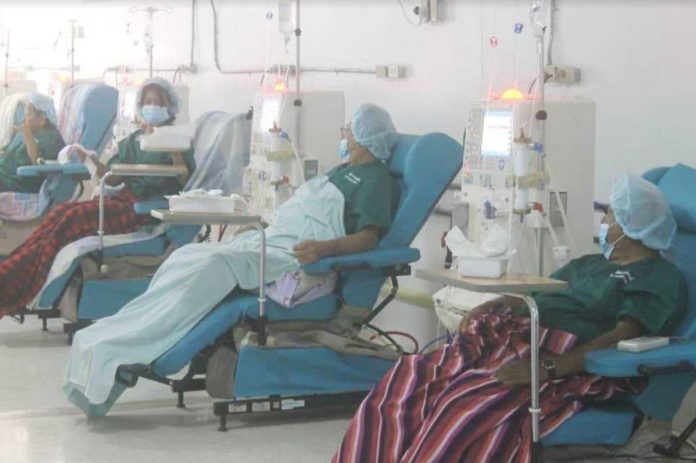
(24, 271)
(343, 212)
(469, 399)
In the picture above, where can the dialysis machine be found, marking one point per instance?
(290, 143)
(542, 195)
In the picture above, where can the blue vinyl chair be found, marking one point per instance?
(87, 116)
(671, 369)
(99, 298)
(425, 166)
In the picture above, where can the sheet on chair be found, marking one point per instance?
(186, 287)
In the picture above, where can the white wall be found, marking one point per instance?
(637, 61)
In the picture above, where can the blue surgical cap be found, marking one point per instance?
(167, 87)
(373, 128)
(44, 104)
(643, 213)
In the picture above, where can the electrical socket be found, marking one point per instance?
(390, 71)
(436, 10)
(424, 11)
(394, 71)
(563, 74)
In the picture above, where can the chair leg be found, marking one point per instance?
(223, 423)
(675, 443)
(180, 400)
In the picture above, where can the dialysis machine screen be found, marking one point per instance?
(497, 134)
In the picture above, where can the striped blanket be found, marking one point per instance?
(447, 406)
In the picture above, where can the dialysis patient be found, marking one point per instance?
(467, 400)
(24, 271)
(343, 212)
(37, 138)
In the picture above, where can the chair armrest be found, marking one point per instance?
(144, 207)
(149, 170)
(374, 259)
(676, 357)
(74, 169)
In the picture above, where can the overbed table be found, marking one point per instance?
(516, 285)
(224, 218)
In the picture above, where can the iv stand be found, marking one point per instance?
(149, 35)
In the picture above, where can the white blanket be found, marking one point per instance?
(186, 287)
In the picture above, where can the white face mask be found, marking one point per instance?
(606, 247)
(154, 115)
(343, 152)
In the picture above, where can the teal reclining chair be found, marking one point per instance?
(670, 370)
(425, 166)
(87, 116)
(98, 298)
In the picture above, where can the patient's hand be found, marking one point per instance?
(311, 251)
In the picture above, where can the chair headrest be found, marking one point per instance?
(678, 183)
(87, 113)
(425, 166)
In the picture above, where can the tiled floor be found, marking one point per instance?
(38, 426)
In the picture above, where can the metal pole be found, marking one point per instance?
(100, 232)
(534, 409)
(298, 97)
(151, 44)
(72, 52)
(541, 119)
(262, 284)
(6, 86)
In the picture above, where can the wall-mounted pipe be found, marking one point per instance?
(317, 69)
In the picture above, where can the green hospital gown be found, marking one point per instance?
(651, 292)
(15, 155)
(143, 187)
(370, 192)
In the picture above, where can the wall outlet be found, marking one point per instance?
(390, 71)
(394, 71)
(424, 11)
(563, 74)
(437, 11)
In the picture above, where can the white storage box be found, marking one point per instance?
(165, 143)
(482, 267)
(207, 204)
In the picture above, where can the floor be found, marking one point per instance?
(38, 426)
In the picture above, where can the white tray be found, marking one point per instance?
(207, 204)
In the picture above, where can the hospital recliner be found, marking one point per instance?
(425, 166)
(81, 300)
(670, 370)
(87, 116)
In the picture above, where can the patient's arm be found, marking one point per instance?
(312, 250)
(573, 362)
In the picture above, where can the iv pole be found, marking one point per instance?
(149, 35)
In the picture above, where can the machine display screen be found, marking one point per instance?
(497, 134)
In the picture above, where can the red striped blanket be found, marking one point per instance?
(447, 406)
(24, 271)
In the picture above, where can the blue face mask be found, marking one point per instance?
(343, 152)
(606, 247)
(154, 115)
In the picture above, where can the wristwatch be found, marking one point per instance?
(549, 365)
